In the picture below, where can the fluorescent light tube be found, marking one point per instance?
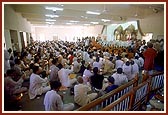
(95, 13)
(53, 8)
(94, 22)
(50, 20)
(105, 20)
(69, 23)
(52, 16)
(73, 21)
(86, 24)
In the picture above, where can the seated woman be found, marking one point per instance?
(36, 86)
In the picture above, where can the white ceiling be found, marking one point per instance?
(116, 12)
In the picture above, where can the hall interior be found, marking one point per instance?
(108, 25)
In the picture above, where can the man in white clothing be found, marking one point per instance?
(119, 77)
(13, 87)
(53, 101)
(54, 71)
(135, 69)
(77, 65)
(118, 63)
(127, 69)
(63, 75)
(36, 83)
(97, 63)
(87, 74)
(81, 96)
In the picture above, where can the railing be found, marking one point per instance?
(128, 96)
(108, 98)
(140, 95)
(121, 104)
(157, 81)
(131, 100)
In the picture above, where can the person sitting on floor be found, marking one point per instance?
(111, 86)
(36, 83)
(96, 80)
(82, 67)
(119, 77)
(81, 96)
(13, 87)
(53, 101)
(63, 75)
(54, 71)
(87, 74)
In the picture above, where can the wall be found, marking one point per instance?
(14, 21)
(154, 24)
(66, 32)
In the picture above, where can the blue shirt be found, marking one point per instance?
(110, 88)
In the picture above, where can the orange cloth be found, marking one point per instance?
(71, 76)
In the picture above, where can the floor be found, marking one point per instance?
(37, 103)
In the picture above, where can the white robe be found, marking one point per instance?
(86, 76)
(80, 94)
(97, 64)
(120, 79)
(118, 64)
(141, 60)
(63, 75)
(54, 73)
(53, 102)
(76, 67)
(135, 70)
(36, 86)
(127, 70)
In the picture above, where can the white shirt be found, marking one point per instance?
(135, 70)
(97, 64)
(53, 101)
(76, 66)
(118, 64)
(137, 62)
(87, 73)
(120, 79)
(127, 70)
(36, 85)
(141, 60)
(54, 73)
(85, 55)
(63, 75)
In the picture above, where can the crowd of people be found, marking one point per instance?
(48, 65)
